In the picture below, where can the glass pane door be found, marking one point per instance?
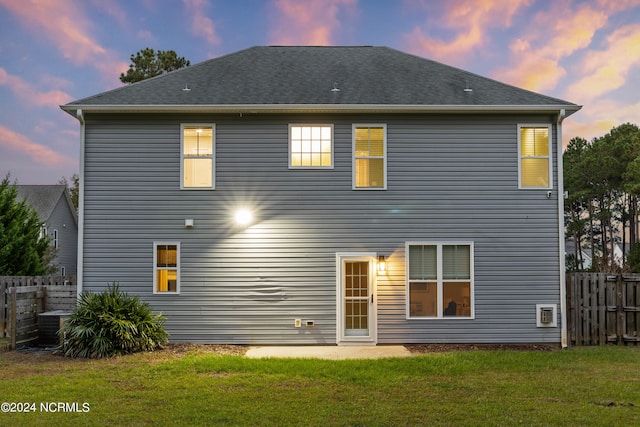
(356, 298)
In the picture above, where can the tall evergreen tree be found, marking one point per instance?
(148, 63)
(603, 181)
(576, 182)
(22, 249)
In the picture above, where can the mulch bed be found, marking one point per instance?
(441, 348)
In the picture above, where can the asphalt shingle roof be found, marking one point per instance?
(277, 75)
(42, 198)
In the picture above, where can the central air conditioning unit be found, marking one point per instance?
(49, 323)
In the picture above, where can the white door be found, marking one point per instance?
(357, 302)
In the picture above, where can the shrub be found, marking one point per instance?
(633, 258)
(111, 323)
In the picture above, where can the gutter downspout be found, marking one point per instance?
(80, 117)
(563, 282)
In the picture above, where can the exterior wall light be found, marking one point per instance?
(243, 217)
(382, 264)
(188, 223)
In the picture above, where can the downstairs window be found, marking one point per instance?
(439, 280)
(166, 267)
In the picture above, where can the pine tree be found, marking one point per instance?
(148, 63)
(22, 249)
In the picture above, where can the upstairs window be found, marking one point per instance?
(439, 280)
(197, 163)
(369, 157)
(55, 239)
(534, 156)
(166, 267)
(311, 146)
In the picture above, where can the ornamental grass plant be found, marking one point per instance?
(111, 323)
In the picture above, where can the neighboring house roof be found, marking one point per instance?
(570, 249)
(327, 78)
(44, 198)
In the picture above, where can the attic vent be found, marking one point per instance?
(335, 88)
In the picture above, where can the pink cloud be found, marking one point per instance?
(28, 94)
(606, 70)
(553, 35)
(63, 23)
(535, 73)
(469, 21)
(570, 31)
(201, 26)
(307, 22)
(37, 152)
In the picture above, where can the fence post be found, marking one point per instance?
(12, 318)
(620, 329)
(3, 308)
(41, 299)
(569, 309)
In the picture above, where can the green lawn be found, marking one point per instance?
(581, 386)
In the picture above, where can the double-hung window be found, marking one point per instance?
(369, 157)
(439, 279)
(534, 156)
(197, 168)
(311, 146)
(166, 267)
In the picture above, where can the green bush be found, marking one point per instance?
(633, 258)
(111, 323)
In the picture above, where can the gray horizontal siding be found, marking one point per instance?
(449, 178)
(62, 219)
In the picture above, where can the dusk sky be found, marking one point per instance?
(56, 51)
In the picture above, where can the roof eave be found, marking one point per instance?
(318, 108)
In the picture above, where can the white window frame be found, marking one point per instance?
(439, 280)
(155, 267)
(520, 157)
(303, 125)
(213, 155)
(353, 155)
(55, 238)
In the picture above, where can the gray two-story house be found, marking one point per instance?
(327, 195)
(59, 221)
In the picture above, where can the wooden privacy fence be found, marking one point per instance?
(22, 299)
(603, 308)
